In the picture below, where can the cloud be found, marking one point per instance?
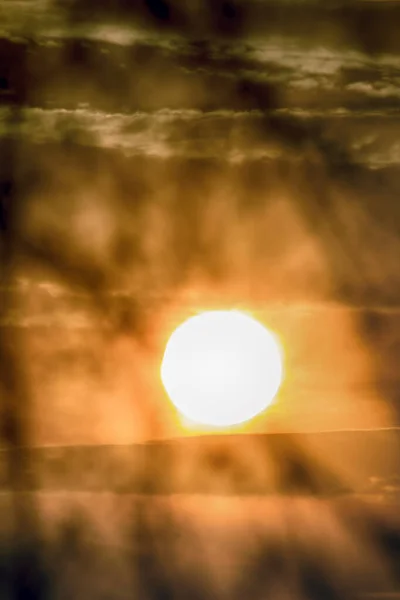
(379, 89)
(153, 73)
(370, 138)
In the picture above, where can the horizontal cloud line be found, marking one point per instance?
(233, 136)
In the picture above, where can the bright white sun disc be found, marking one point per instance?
(221, 368)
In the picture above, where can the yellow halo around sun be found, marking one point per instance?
(221, 368)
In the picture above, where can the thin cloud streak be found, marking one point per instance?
(232, 136)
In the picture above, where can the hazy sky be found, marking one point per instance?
(163, 157)
(177, 156)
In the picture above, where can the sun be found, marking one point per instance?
(221, 368)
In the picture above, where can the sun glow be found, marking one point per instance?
(221, 368)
